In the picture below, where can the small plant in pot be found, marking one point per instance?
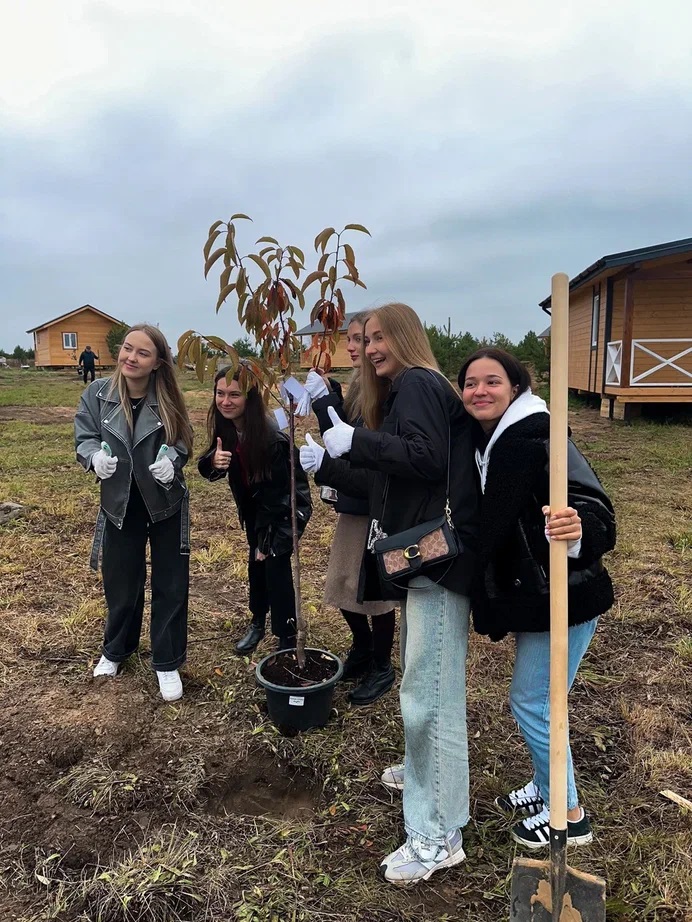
(267, 286)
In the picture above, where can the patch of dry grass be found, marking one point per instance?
(121, 794)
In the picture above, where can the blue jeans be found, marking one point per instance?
(529, 699)
(434, 641)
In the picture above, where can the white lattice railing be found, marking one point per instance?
(614, 362)
(670, 362)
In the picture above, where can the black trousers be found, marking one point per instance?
(124, 574)
(89, 370)
(271, 590)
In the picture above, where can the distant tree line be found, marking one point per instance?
(19, 354)
(450, 349)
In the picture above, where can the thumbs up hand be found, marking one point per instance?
(311, 455)
(339, 438)
(221, 459)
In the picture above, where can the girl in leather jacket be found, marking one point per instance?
(133, 431)
(512, 593)
(370, 656)
(246, 446)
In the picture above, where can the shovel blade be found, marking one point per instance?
(584, 899)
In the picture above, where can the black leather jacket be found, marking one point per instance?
(100, 418)
(513, 591)
(264, 508)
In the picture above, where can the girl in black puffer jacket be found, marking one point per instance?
(512, 594)
(246, 446)
(370, 656)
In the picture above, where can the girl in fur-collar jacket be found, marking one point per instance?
(512, 593)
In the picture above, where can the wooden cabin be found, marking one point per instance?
(340, 359)
(58, 343)
(630, 328)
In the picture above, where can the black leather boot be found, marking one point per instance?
(254, 634)
(358, 663)
(376, 683)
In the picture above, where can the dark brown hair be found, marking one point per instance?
(517, 373)
(256, 431)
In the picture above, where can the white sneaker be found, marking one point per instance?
(393, 777)
(106, 667)
(415, 861)
(170, 684)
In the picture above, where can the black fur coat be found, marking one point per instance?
(512, 592)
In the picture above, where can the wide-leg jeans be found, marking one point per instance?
(434, 643)
(124, 575)
(530, 699)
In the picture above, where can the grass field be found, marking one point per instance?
(118, 808)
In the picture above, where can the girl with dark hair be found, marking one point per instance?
(413, 460)
(246, 446)
(512, 429)
(133, 431)
(370, 656)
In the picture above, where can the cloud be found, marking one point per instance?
(484, 152)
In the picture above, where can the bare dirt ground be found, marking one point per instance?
(119, 808)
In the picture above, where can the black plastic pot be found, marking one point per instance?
(300, 708)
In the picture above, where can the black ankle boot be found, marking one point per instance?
(254, 634)
(358, 663)
(376, 683)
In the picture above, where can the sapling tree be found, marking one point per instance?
(267, 287)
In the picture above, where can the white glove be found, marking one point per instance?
(103, 464)
(315, 385)
(163, 470)
(311, 455)
(304, 405)
(339, 438)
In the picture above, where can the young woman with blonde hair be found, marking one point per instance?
(370, 656)
(133, 431)
(413, 459)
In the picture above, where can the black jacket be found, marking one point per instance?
(411, 449)
(351, 505)
(513, 592)
(264, 508)
(88, 359)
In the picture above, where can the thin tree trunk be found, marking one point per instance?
(300, 621)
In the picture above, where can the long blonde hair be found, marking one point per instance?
(168, 394)
(352, 407)
(409, 345)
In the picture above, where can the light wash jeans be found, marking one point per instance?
(434, 641)
(529, 699)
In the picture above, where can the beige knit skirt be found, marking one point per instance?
(343, 572)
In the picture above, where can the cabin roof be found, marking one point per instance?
(318, 328)
(625, 258)
(84, 307)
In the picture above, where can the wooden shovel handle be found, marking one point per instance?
(559, 341)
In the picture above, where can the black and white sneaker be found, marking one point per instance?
(534, 831)
(526, 800)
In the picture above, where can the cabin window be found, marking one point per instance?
(595, 316)
(69, 340)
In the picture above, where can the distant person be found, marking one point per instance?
(511, 431)
(133, 431)
(87, 362)
(247, 448)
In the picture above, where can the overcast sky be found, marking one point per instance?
(485, 148)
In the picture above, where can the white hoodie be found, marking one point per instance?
(526, 404)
